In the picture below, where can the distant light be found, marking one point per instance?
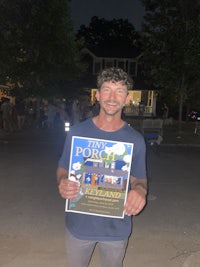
(67, 126)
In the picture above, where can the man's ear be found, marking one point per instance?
(128, 98)
(97, 95)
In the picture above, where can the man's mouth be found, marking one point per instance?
(113, 104)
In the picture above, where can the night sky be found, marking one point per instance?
(83, 10)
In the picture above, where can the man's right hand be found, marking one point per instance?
(68, 189)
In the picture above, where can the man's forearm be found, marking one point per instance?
(140, 184)
(61, 174)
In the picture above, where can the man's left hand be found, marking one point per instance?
(135, 202)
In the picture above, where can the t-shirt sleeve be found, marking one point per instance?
(138, 166)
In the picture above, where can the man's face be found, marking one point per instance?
(112, 97)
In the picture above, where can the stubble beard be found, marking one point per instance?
(110, 112)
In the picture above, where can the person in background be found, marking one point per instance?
(84, 231)
(20, 109)
(141, 108)
(165, 112)
(51, 113)
(95, 108)
(30, 114)
(76, 111)
(6, 108)
(1, 116)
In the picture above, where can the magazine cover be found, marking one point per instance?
(102, 168)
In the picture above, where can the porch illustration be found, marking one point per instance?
(97, 173)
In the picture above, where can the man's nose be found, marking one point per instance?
(112, 94)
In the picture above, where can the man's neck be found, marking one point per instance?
(108, 123)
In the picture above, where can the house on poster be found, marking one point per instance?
(98, 174)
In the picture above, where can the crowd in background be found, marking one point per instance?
(29, 113)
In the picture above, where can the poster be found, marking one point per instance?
(102, 168)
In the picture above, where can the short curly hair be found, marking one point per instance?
(114, 75)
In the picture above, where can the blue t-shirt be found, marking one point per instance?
(89, 227)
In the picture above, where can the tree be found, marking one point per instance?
(171, 51)
(109, 34)
(37, 47)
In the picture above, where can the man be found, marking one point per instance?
(83, 232)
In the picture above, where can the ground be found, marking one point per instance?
(165, 234)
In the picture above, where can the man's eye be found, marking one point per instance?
(120, 91)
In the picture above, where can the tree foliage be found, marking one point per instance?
(171, 37)
(109, 34)
(37, 46)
